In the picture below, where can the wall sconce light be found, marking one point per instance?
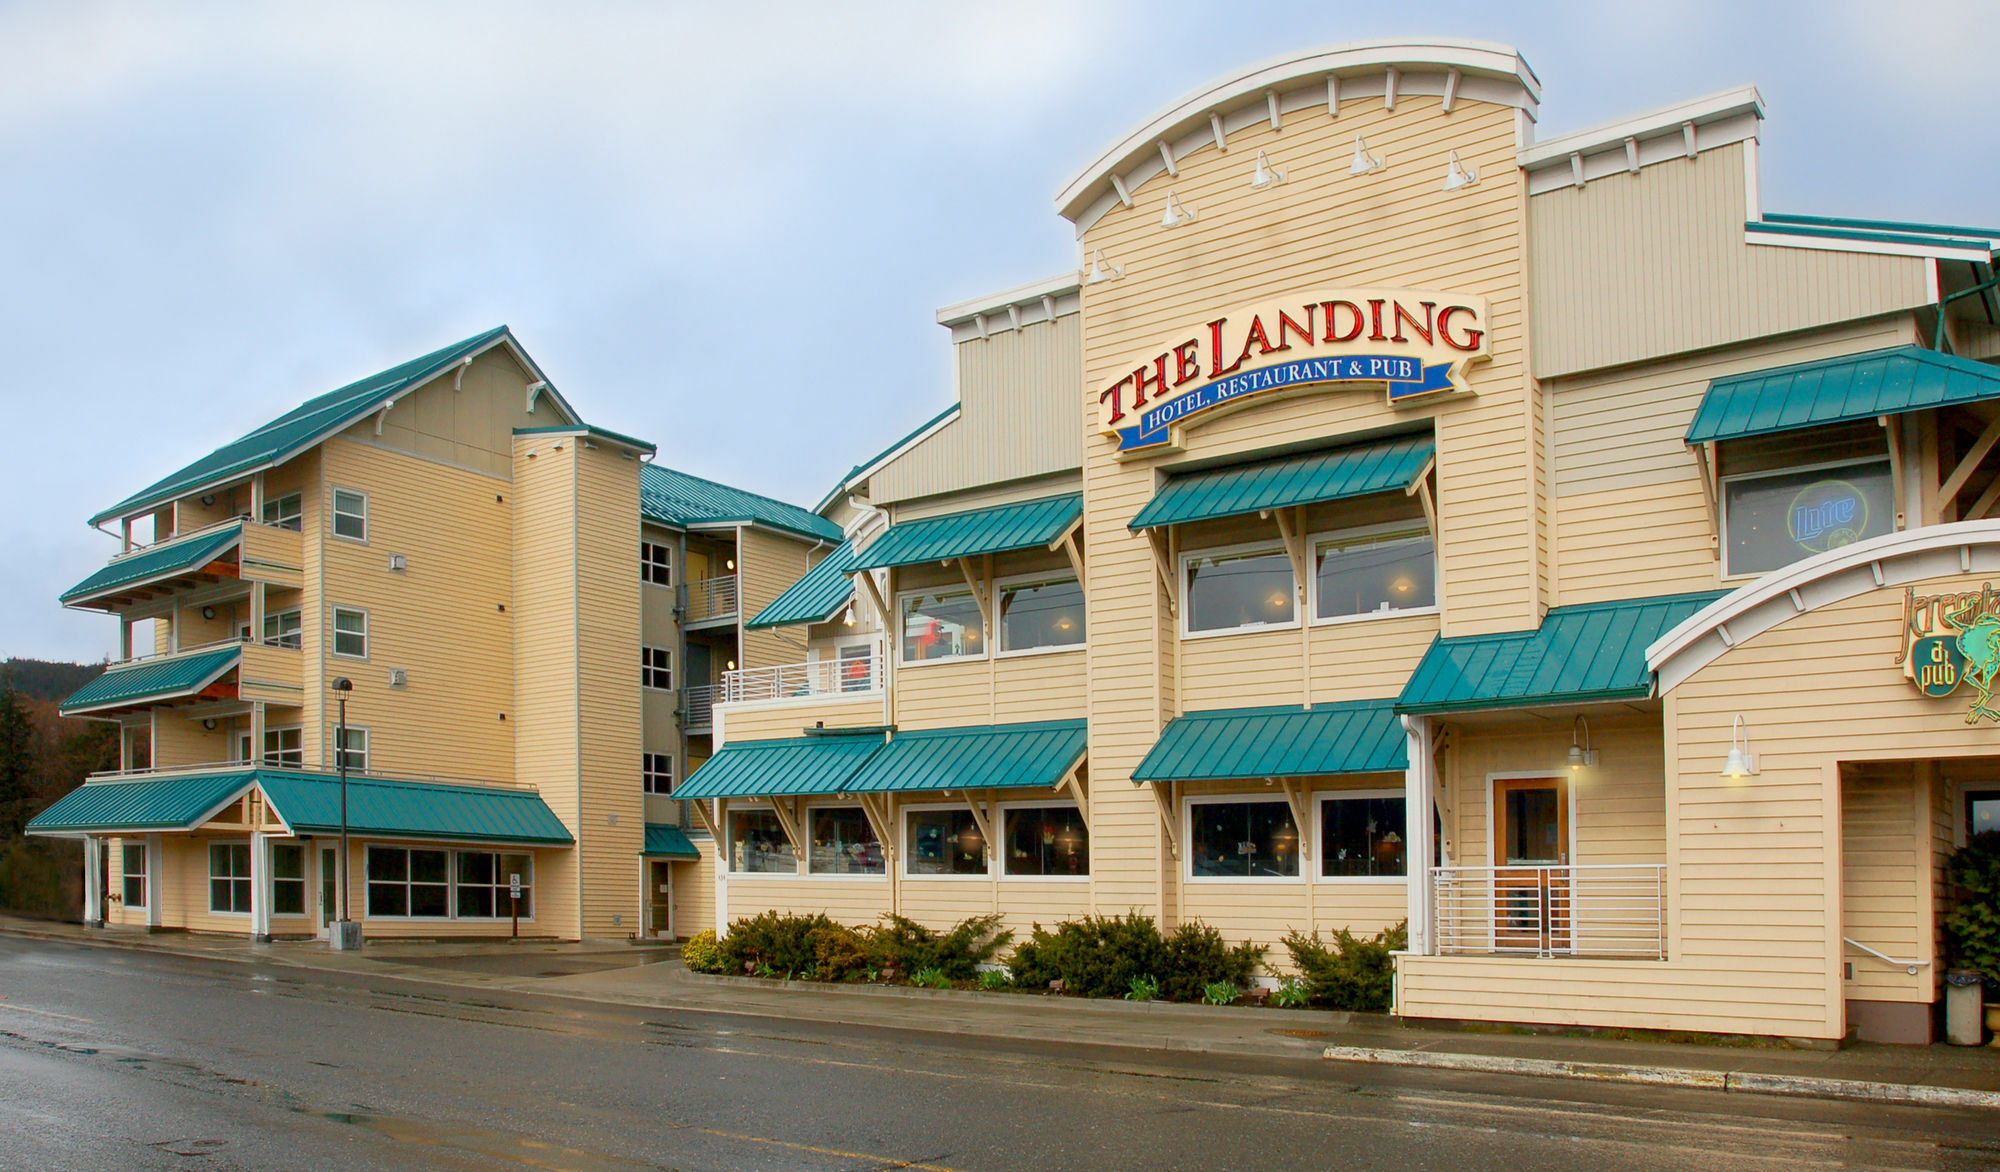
(1742, 762)
(1364, 161)
(209, 724)
(1456, 176)
(208, 612)
(1266, 175)
(1177, 213)
(1581, 755)
(1097, 274)
(848, 618)
(729, 564)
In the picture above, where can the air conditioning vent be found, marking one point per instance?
(396, 563)
(398, 678)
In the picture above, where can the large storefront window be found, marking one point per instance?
(1232, 591)
(1047, 841)
(758, 846)
(404, 882)
(229, 877)
(843, 843)
(1041, 614)
(1243, 840)
(485, 885)
(940, 624)
(1361, 837)
(1772, 519)
(288, 879)
(945, 842)
(1369, 573)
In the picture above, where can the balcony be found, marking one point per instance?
(825, 677)
(698, 707)
(1614, 910)
(709, 600)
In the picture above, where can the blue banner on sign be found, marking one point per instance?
(1406, 376)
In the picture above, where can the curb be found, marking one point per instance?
(1798, 1086)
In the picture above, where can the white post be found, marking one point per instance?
(260, 887)
(124, 638)
(156, 866)
(1419, 793)
(93, 882)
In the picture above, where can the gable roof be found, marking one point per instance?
(861, 470)
(315, 420)
(667, 497)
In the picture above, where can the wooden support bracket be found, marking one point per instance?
(1163, 798)
(973, 583)
(707, 820)
(1970, 464)
(1295, 796)
(1704, 459)
(1073, 782)
(1156, 541)
(787, 810)
(878, 817)
(1067, 543)
(983, 818)
(1895, 434)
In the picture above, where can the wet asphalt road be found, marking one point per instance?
(117, 1060)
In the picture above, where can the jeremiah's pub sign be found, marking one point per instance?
(1953, 639)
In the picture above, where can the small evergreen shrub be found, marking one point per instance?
(701, 953)
(786, 945)
(1197, 958)
(1292, 993)
(909, 947)
(1219, 993)
(1973, 924)
(1349, 972)
(1096, 956)
(994, 979)
(840, 954)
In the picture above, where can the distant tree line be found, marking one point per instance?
(42, 757)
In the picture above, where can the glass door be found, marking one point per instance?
(329, 886)
(1531, 888)
(660, 887)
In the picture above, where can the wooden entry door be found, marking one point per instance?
(660, 894)
(1531, 887)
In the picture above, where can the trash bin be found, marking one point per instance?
(1964, 995)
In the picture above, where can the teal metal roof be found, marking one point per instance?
(989, 756)
(674, 498)
(585, 429)
(310, 804)
(1955, 231)
(153, 679)
(308, 424)
(151, 803)
(664, 841)
(1580, 654)
(853, 473)
(781, 768)
(980, 531)
(160, 561)
(816, 597)
(1838, 390)
(1237, 744)
(1933, 238)
(1310, 479)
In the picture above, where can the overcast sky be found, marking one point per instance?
(723, 227)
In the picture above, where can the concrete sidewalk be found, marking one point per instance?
(651, 975)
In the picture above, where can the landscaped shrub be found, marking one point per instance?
(1292, 993)
(1973, 924)
(994, 980)
(1097, 956)
(1220, 993)
(1143, 989)
(1197, 958)
(781, 943)
(701, 953)
(840, 954)
(909, 947)
(930, 978)
(1351, 972)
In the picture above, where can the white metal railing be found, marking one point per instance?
(231, 766)
(824, 677)
(698, 706)
(293, 641)
(1611, 910)
(1910, 966)
(711, 598)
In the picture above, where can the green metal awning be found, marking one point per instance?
(988, 756)
(1240, 744)
(310, 804)
(815, 598)
(148, 803)
(980, 531)
(665, 841)
(169, 560)
(153, 680)
(782, 768)
(1315, 478)
(667, 497)
(1579, 655)
(1839, 390)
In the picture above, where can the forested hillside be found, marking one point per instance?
(42, 757)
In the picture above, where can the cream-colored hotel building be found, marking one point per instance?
(1396, 517)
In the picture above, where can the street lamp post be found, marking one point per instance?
(345, 934)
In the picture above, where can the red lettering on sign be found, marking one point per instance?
(1350, 335)
(1117, 396)
(1187, 361)
(1140, 379)
(1423, 330)
(1255, 337)
(1472, 336)
(1215, 367)
(1287, 327)
(1375, 319)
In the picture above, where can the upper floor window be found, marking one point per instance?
(1041, 613)
(354, 753)
(350, 514)
(656, 667)
(1239, 589)
(1374, 571)
(350, 632)
(940, 624)
(656, 563)
(285, 746)
(1772, 519)
(282, 628)
(657, 771)
(286, 512)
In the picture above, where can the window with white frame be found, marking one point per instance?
(843, 842)
(132, 860)
(656, 563)
(285, 747)
(286, 512)
(284, 628)
(656, 668)
(1375, 571)
(353, 752)
(1772, 519)
(288, 879)
(350, 514)
(944, 841)
(1239, 589)
(1233, 838)
(229, 877)
(484, 888)
(1361, 836)
(758, 845)
(940, 624)
(657, 770)
(1046, 841)
(1041, 613)
(350, 632)
(409, 882)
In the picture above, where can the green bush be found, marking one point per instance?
(701, 953)
(994, 979)
(787, 945)
(1973, 924)
(1143, 989)
(42, 878)
(1097, 956)
(1352, 972)
(930, 978)
(840, 954)
(1197, 958)
(1220, 993)
(910, 947)
(1292, 993)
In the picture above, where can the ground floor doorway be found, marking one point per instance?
(660, 898)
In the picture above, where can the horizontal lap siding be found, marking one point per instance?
(854, 902)
(1885, 879)
(694, 891)
(609, 718)
(1053, 686)
(769, 565)
(769, 722)
(545, 618)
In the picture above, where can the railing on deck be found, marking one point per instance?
(709, 598)
(231, 766)
(1611, 910)
(291, 641)
(698, 706)
(824, 677)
